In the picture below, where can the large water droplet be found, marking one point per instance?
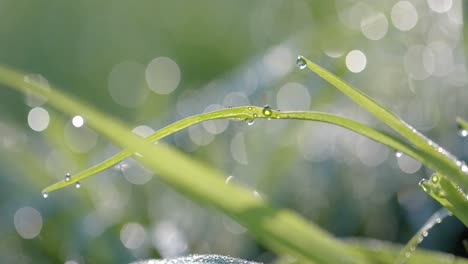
(301, 62)
(463, 132)
(250, 121)
(267, 111)
(45, 195)
(77, 185)
(67, 177)
(398, 154)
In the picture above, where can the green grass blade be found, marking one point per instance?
(445, 163)
(281, 230)
(462, 123)
(411, 246)
(247, 112)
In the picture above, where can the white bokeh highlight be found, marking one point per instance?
(356, 61)
(38, 119)
(162, 75)
(28, 222)
(404, 16)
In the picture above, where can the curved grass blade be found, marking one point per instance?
(411, 246)
(462, 123)
(445, 162)
(247, 112)
(281, 230)
(449, 195)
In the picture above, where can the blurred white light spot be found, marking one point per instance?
(80, 139)
(443, 58)
(162, 75)
(238, 149)
(134, 172)
(169, 240)
(127, 85)
(235, 99)
(232, 226)
(419, 62)
(28, 222)
(143, 131)
(404, 15)
(33, 99)
(78, 121)
(293, 96)
(440, 6)
(408, 165)
(199, 135)
(132, 235)
(278, 61)
(374, 27)
(370, 152)
(356, 61)
(38, 119)
(215, 126)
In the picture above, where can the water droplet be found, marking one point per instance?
(67, 177)
(229, 179)
(267, 111)
(423, 184)
(45, 195)
(435, 178)
(301, 62)
(464, 168)
(463, 132)
(250, 121)
(255, 115)
(420, 239)
(398, 154)
(438, 220)
(77, 185)
(249, 108)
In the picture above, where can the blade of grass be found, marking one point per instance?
(445, 163)
(411, 246)
(462, 123)
(247, 112)
(281, 230)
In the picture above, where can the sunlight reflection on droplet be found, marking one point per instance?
(77, 121)
(132, 235)
(293, 96)
(356, 61)
(440, 6)
(38, 119)
(126, 84)
(404, 15)
(162, 75)
(374, 27)
(28, 222)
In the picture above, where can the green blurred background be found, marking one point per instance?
(150, 63)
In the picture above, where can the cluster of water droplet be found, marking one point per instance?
(423, 233)
(301, 62)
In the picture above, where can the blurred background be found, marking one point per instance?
(150, 63)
